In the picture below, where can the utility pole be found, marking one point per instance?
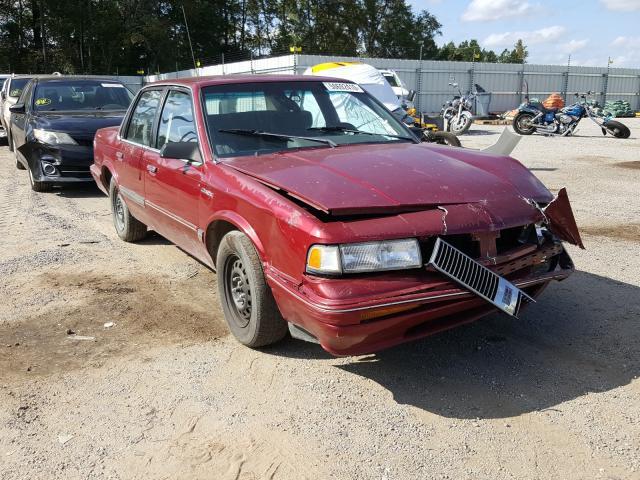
(193, 57)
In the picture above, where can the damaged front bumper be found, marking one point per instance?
(358, 315)
(58, 163)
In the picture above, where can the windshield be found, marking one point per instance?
(326, 113)
(16, 86)
(391, 78)
(76, 95)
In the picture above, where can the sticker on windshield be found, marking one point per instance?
(40, 102)
(112, 85)
(15, 93)
(342, 87)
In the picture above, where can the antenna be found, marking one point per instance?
(193, 57)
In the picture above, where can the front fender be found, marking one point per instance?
(241, 224)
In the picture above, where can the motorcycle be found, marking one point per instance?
(457, 112)
(533, 117)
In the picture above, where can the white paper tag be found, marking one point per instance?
(342, 87)
(112, 85)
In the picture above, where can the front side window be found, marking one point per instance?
(16, 86)
(391, 78)
(141, 123)
(76, 95)
(301, 114)
(176, 122)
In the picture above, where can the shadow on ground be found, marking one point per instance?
(582, 336)
(83, 190)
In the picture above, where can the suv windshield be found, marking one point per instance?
(72, 95)
(16, 86)
(254, 118)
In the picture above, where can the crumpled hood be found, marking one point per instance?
(85, 123)
(394, 177)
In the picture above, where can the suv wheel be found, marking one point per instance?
(128, 228)
(249, 308)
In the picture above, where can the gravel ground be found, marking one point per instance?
(166, 393)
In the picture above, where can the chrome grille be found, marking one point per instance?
(464, 270)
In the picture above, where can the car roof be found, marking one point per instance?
(234, 79)
(53, 78)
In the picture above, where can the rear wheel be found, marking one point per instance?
(617, 129)
(128, 228)
(249, 308)
(523, 123)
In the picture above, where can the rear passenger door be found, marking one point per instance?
(137, 137)
(172, 186)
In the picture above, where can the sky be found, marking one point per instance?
(590, 30)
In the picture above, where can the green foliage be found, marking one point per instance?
(125, 36)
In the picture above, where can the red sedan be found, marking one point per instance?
(323, 215)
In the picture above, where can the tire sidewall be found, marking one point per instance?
(114, 193)
(233, 244)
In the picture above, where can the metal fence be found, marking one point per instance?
(430, 78)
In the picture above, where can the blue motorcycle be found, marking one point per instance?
(534, 117)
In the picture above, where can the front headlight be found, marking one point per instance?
(364, 257)
(53, 138)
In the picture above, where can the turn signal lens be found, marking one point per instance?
(324, 259)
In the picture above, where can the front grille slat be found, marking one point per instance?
(476, 277)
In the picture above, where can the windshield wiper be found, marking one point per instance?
(260, 133)
(337, 128)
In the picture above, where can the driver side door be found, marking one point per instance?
(173, 186)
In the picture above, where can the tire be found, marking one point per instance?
(461, 124)
(522, 123)
(19, 166)
(127, 227)
(9, 141)
(444, 138)
(617, 129)
(247, 302)
(35, 186)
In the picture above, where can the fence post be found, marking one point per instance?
(605, 86)
(418, 103)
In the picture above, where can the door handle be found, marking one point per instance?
(119, 155)
(206, 192)
(152, 169)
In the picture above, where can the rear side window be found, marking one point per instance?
(176, 123)
(141, 123)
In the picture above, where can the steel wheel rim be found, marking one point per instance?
(119, 212)
(238, 291)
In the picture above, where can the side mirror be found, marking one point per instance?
(412, 95)
(188, 151)
(17, 108)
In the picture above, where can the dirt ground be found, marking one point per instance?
(165, 392)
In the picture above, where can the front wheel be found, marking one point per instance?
(461, 123)
(128, 228)
(617, 129)
(35, 185)
(247, 302)
(523, 123)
